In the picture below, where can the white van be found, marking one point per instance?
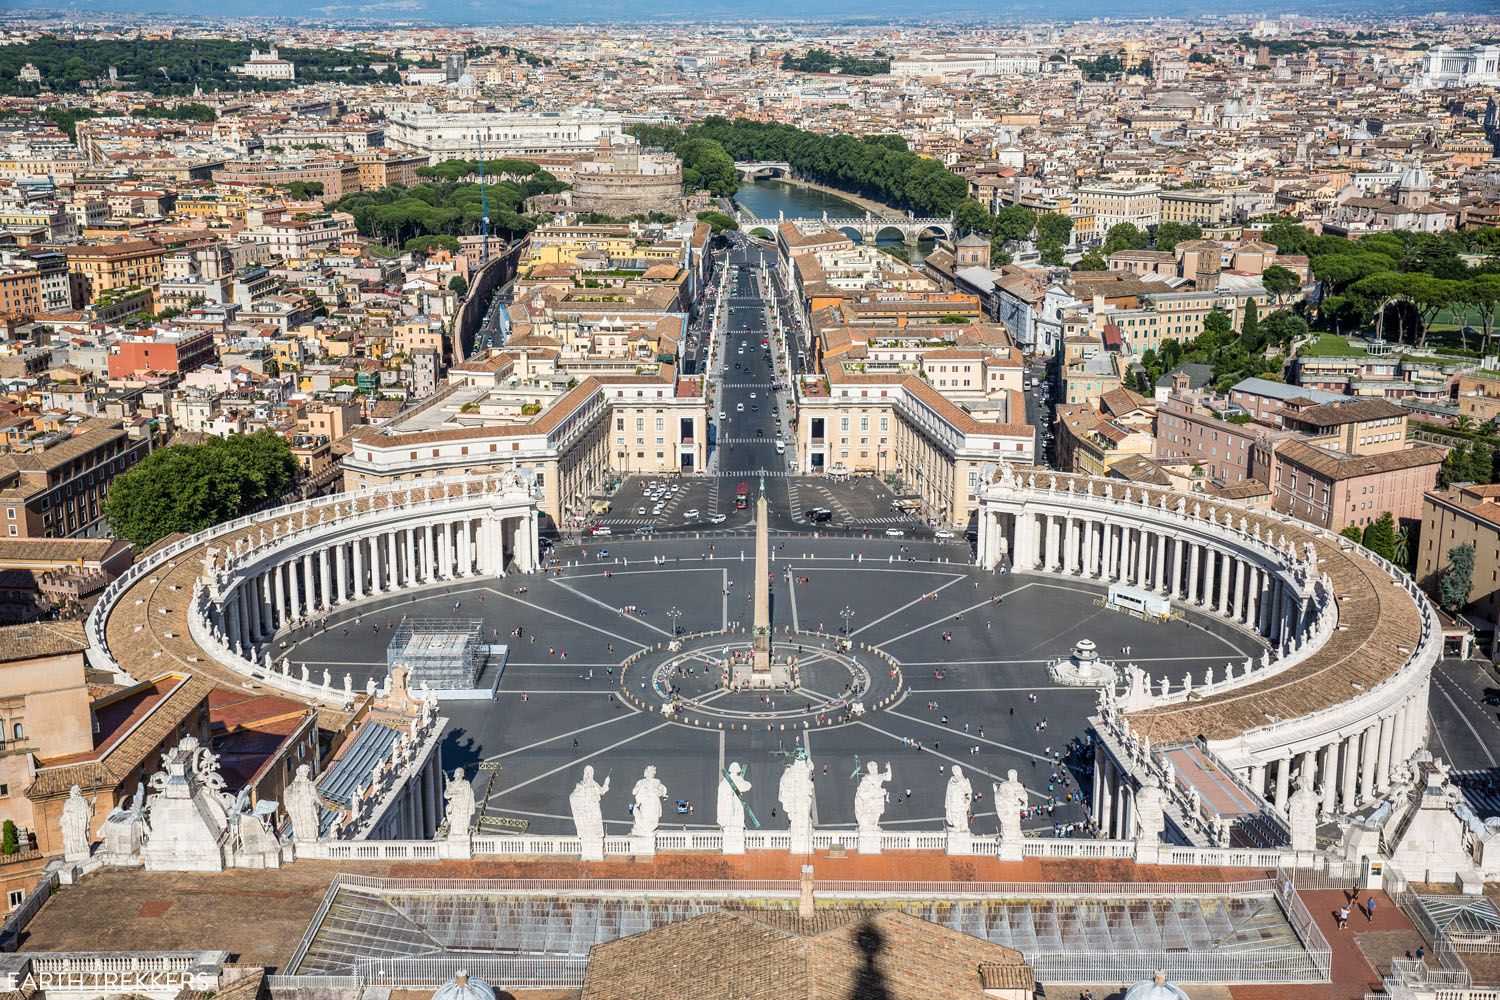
(780, 447)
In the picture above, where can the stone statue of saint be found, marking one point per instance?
(1010, 799)
(796, 793)
(583, 801)
(77, 817)
(731, 787)
(956, 799)
(302, 806)
(1150, 812)
(1302, 815)
(648, 792)
(869, 798)
(460, 798)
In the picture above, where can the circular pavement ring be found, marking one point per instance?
(830, 686)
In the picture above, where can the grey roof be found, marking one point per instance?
(1283, 391)
(371, 744)
(1198, 375)
(981, 278)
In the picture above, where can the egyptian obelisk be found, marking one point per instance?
(760, 669)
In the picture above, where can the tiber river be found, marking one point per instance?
(770, 196)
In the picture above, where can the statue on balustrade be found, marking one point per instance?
(459, 796)
(956, 800)
(583, 801)
(796, 793)
(732, 788)
(869, 799)
(1302, 815)
(1150, 812)
(302, 806)
(649, 793)
(1010, 800)
(77, 818)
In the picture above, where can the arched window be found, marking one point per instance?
(18, 731)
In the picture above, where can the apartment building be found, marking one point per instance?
(1463, 515)
(107, 267)
(897, 425)
(1139, 205)
(1334, 490)
(160, 351)
(570, 443)
(56, 488)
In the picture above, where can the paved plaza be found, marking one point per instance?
(971, 647)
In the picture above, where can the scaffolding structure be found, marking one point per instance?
(446, 653)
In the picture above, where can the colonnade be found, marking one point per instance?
(316, 576)
(1223, 578)
(1352, 768)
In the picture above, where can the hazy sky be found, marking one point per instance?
(571, 11)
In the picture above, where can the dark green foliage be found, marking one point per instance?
(1380, 536)
(823, 61)
(175, 66)
(303, 190)
(1169, 234)
(1124, 236)
(718, 221)
(180, 113)
(1352, 532)
(10, 838)
(878, 167)
(191, 487)
(1457, 581)
(444, 206)
(458, 285)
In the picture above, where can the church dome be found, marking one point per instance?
(1155, 988)
(464, 987)
(1416, 178)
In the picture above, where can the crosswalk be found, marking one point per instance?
(1481, 790)
(627, 522)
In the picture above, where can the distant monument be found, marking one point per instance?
(762, 671)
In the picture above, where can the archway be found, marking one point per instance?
(887, 233)
(761, 233)
(852, 233)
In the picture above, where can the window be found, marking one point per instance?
(18, 731)
(16, 897)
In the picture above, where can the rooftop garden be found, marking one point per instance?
(1330, 345)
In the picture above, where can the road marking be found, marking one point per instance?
(902, 608)
(574, 763)
(594, 600)
(986, 603)
(570, 618)
(567, 735)
(1483, 744)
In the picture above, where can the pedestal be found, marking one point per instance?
(869, 841)
(960, 842)
(1012, 850)
(591, 848)
(1147, 852)
(802, 840)
(734, 840)
(643, 844)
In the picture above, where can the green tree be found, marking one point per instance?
(1482, 463)
(1013, 222)
(706, 165)
(1124, 236)
(1281, 283)
(971, 217)
(10, 838)
(458, 285)
(1283, 328)
(1352, 532)
(718, 221)
(1050, 252)
(1054, 228)
(186, 488)
(1455, 467)
(1457, 581)
(1250, 326)
(1287, 236)
(1169, 234)
(1092, 260)
(1380, 536)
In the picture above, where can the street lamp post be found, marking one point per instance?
(846, 614)
(674, 613)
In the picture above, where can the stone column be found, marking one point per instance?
(1368, 752)
(1258, 779)
(1399, 749)
(267, 609)
(1210, 567)
(1195, 557)
(358, 546)
(1350, 773)
(1226, 581)
(340, 574)
(1330, 778)
(1383, 765)
(1307, 768)
(1283, 783)
(388, 566)
(1142, 558)
(1109, 551)
(1163, 585)
(1237, 590)
(278, 595)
